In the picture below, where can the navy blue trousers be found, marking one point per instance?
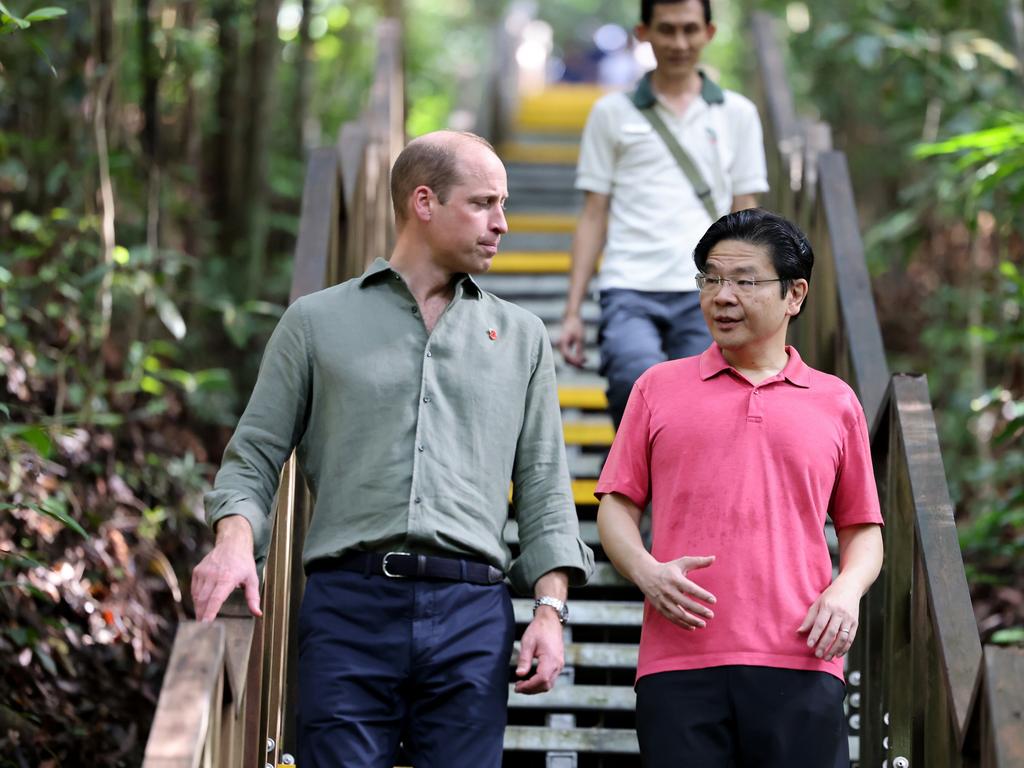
(741, 717)
(641, 328)
(389, 662)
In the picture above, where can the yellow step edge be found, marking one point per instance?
(546, 262)
(568, 124)
(583, 491)
(552, 154)
(577, 433)
(548, 223)
(590, 398)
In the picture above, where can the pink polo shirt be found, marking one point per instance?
(746, 473)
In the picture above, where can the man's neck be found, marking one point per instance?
(427, 281)
(758, 364)
(683, 88)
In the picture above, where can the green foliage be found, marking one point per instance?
(924, 97)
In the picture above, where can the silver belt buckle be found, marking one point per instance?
(384, 566)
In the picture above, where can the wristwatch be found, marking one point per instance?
(560, 607)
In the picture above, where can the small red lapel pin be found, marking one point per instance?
(492, 334)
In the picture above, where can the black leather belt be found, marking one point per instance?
(405, 565)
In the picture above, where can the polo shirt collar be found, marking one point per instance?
(644, 97)
(381, 268)
(796, 371)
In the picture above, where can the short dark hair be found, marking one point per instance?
(647, 9)
(790, 252)
(429, 162)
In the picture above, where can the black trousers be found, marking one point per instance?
(742, 717)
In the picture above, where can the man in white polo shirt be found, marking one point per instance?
(645, 211)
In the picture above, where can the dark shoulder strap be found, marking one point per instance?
(686, 164)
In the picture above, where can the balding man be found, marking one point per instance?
(413, 397)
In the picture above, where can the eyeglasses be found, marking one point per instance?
(714, 283)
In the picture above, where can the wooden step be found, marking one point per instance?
(589, 433)
(556, 153)
(604, 655)
(559, 223)
(565, 697)
(583, 492)
(584, 398)
(539, 738)
(537, 262)
(589, 613)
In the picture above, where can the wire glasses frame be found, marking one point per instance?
(714, 283)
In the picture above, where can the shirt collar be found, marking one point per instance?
(796, 371)
(644, 97)
(380, 268)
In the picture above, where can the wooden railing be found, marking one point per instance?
(923, 691)
(227, 697)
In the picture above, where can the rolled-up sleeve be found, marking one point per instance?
(549, 530)
(271, 426)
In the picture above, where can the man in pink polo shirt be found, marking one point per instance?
(742, 451)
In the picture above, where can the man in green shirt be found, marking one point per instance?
(413, 398)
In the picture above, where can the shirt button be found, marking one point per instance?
(417, 499)
(426, 398)
(415, 310)
(420, 448)
(429, 353)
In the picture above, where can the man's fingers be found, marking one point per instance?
(694, 590)
(691, 563)
(216, 600)
(525, 657)
(808, 622)
(202, 588)
(252, 594)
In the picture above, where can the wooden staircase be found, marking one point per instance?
(587, 720)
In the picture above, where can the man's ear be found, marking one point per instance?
(795, 296)
(422, 202)
(640, 32)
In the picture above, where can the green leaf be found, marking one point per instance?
(169, 315)
(51, 508)
(55, 509)
(21, 559)
(1010, 636)
(45, 14)
(5, 411)
(38, 438)
(21, 23)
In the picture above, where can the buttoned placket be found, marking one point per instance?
(427, 380)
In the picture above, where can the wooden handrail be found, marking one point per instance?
(227, 697)
(923, 691)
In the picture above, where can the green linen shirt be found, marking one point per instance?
(409, 439)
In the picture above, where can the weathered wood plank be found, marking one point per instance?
(605, 655)
(861, 334)
(576, 697)
(956, 631)
(612, 613)
(184, 711)
(542, 739)
(1004, 707)
(318, 222)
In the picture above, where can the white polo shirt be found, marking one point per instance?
(656, 218)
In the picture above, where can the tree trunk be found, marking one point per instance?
(1015, 16)
(262, 68)
(304, 83)
(222, 168)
